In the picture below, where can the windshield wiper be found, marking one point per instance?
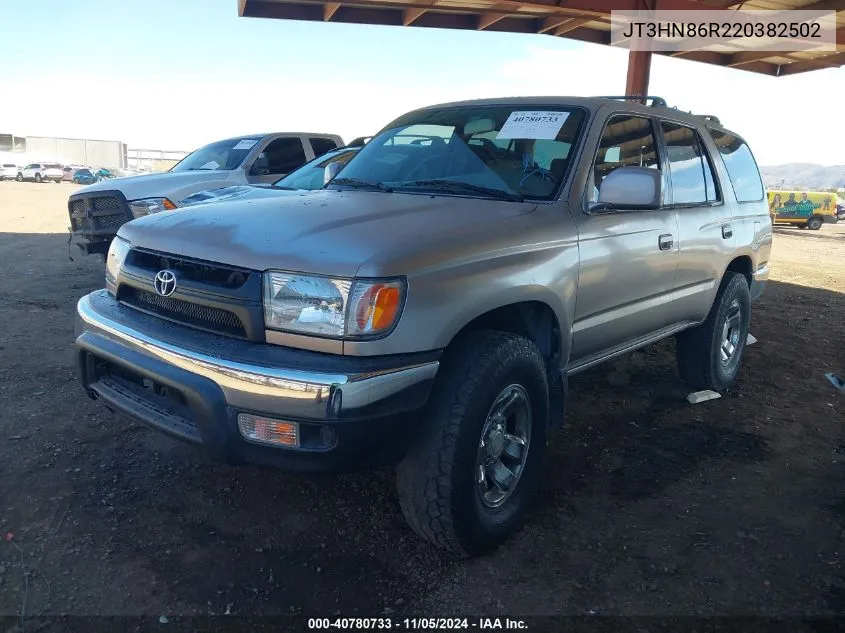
(361, 184)
(458, 185)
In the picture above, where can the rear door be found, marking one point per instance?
(321, 144)
(628, 257)
(705, 223)
(279, 157)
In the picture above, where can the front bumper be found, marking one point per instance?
(351, 411)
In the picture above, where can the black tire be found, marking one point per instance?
(437, 480)
(37, 177)
(699, 350)
(815, 223)
(19, 177)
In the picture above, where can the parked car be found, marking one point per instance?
(312, 175)
(840, 210)
(8, 171)
(68, 173)
(84, 176)
(97, 211)
(428, 306)
(41, 172)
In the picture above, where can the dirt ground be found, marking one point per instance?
(649, 505)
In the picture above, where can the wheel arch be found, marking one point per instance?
(742, 264)
(535, 317)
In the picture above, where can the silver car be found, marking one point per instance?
(427, 307)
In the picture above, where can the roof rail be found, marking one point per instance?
(655, 101)
(710, 117)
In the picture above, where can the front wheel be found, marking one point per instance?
(19, 177)
(709, 355)
(814, 223)
(467, 482)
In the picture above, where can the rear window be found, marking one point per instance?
(9, 165)
(52, 166)
(322, 145)
(741, 166)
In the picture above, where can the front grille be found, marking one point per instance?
(106, 204)
(195, 315)
(100, 220)
(114, 222)
(213, 274)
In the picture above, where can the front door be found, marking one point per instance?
(628, 257)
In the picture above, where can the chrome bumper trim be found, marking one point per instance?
(272, 390)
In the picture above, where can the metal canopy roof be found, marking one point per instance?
(585, 20)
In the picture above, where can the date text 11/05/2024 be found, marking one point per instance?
(416, 624)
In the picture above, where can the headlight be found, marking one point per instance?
(118, 251)
(140, 208)
(334, 308)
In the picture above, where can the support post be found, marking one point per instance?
(639, 69)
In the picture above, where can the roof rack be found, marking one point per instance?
(655, 101)
(710, 117)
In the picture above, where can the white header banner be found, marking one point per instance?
(724, 31)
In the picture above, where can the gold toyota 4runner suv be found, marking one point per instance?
(427, 306)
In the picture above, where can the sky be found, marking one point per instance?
(174, 75)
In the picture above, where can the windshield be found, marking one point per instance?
(222, 155)
(482, 151)
(310, 175)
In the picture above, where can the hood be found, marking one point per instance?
(173, 185)
(240, 192)
(326, 232)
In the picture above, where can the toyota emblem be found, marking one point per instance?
(165, 283)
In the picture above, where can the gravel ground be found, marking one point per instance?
(649, 505)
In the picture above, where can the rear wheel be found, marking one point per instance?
(37, 177)
(709, 355)
(466, 483)
(814, 223)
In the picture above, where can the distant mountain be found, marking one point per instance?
(803, 176)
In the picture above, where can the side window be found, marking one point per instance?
(690, 171)
(283, 155)
(322, 145)
(627, 141)
(741, 166)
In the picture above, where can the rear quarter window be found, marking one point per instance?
(740, 164)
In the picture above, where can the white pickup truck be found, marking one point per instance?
(99, 210)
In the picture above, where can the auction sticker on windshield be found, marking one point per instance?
(533, 125)
(246, 143)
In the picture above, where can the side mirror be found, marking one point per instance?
(630, 188)
(331, 170)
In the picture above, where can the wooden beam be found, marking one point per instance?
(639, 70)
(573, 24)
(489, 18)
(409, 16)
(829, 61)
(746, 57)
(551, 23)
(329, 9)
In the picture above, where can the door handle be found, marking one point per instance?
(665, 241)
(727, 231)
